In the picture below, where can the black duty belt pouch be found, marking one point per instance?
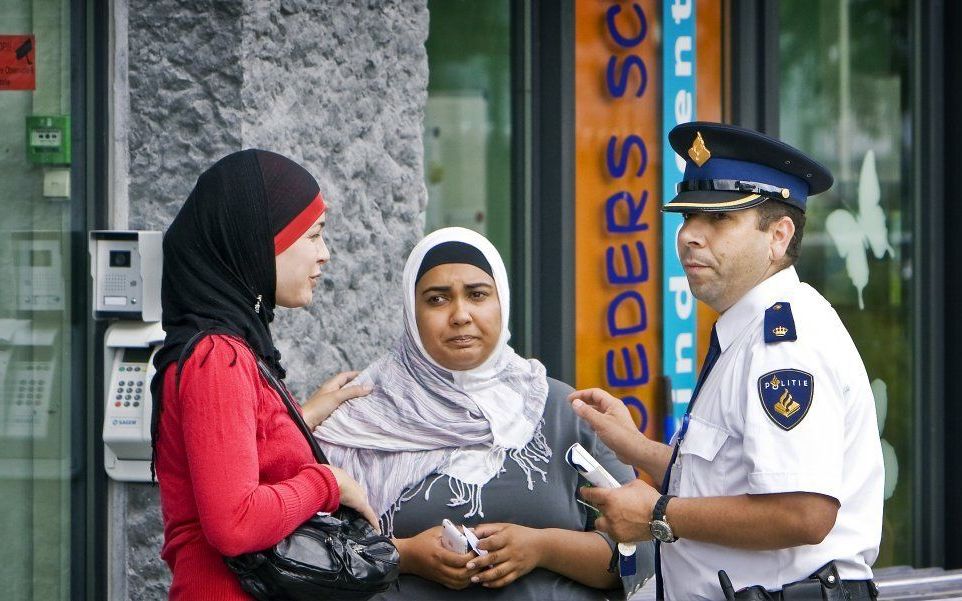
(337, 556)
(823, 585)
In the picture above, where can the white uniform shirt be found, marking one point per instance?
(733, 447)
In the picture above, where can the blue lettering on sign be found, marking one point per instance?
(631, 401)
(619, 39)
(631, 276)
(678, 106)
(617, 88)
(631, 378)
(629, 295)
(627, 313)
(617, 168)
(635, 210)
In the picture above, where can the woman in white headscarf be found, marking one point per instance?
(458, 426)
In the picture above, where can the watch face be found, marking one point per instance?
(662, 531)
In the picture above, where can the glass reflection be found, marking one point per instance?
(844, 98)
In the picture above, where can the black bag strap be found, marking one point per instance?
(292, 411)
(276, 384)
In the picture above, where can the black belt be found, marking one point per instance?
(853, 590)
(822, 585)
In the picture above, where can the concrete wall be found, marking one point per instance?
(339, 85)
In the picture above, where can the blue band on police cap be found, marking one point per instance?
(732, 169)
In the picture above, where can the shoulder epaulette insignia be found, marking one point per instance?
(779, 323)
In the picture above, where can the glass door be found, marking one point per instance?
(471, 145)
(845, 97)
(38, 387)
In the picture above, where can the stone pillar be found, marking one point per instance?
(339, 85)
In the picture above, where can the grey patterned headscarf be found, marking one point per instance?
(422, 419)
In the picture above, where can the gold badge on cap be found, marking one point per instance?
(698, 152)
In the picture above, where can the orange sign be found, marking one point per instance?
(17, 58)
(709, 73)
(618, 202)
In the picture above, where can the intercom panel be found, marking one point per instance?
(126, 267)
(29, 383)
(40, 275)
(127, 415)
(28, 393)
(129, 348)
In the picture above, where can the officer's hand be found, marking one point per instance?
(610, 419)
(625, 511)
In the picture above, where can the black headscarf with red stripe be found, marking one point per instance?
(219, 271)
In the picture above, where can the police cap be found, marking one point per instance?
(728, 168)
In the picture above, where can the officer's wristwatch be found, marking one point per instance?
(660, 529)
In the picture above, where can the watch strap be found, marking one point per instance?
(658, 512)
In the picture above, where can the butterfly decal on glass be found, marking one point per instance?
(855, 234)
(890, 459)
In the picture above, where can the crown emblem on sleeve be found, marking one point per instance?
(780, 331)
(698, 152)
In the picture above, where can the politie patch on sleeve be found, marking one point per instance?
(786, 395)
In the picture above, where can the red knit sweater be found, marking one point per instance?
(236, 475)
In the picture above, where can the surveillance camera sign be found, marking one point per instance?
(18, 62)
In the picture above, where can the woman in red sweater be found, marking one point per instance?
(236, 475)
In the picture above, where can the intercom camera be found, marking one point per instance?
(126, 267)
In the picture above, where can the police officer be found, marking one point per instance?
(772, 487)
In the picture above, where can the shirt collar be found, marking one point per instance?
(765, 294)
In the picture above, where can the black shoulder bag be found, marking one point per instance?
(336, 556)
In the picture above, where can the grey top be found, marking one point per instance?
(506, 498)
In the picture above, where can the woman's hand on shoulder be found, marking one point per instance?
(353, 495)
(513, 551)
(423, 555)
(329, 397)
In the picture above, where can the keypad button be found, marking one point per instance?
(127, 397)
(136, 404)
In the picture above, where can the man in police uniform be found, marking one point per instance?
(775, 477)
